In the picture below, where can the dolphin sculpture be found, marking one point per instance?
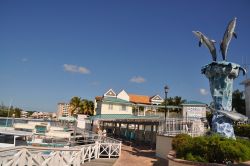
(229, 33)
(209, 43)
(235, 116)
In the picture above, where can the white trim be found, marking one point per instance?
(123, 95)
(107, 94)
(157, 96)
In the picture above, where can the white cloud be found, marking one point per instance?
(76, 69)
(137, 79)
(203, 91)
(83, 70)
(24, 59)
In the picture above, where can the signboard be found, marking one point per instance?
(195, 112)
(81, 121)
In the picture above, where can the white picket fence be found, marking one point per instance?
(43, 156)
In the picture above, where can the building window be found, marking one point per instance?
(123, 107)
(110, 106)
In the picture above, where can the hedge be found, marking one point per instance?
(242, 130)
(212, 149)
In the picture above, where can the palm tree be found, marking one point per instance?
(176, 101)
(91, 107)
(81, 106)
(88, 107)
(75, 104)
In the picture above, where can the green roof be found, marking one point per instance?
(115, 100)
(121, 116)
(194, 103)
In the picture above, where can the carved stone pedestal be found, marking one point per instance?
(221, 76)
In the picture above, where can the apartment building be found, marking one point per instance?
(63, 109)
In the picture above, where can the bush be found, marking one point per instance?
(242, 130)
(213, 149)
(181, 144)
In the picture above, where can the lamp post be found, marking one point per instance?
(166, 89)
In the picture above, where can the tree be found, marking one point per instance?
(91, 107)
(8, 112)
(75, 105)
(81, 106)
(17, 112)
(88, 107)
(238, 102)
(176, 101)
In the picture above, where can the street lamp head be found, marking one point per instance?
(166, 88)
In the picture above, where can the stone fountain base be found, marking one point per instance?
(223, 125)
(221, 76)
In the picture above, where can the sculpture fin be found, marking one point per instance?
(243, 70)
(235, 35)
(200, 43)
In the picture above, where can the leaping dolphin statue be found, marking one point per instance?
(229, 33)
(209, 43)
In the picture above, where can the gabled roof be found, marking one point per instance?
(110, 93)
(139, 99)
(156, 98)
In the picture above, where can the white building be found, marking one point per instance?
(247, 96)
(122, 103)
(112, 103)
(24, 114)
(194, 109)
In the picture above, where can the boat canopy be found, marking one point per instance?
(68, 118)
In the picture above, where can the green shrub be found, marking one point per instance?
(181, 144)
(242, 130)
(213, 149)
(192, 157)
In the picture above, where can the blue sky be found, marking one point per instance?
(53, 50)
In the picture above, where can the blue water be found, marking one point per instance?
(3, 122)
(10, 121)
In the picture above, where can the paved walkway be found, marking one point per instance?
(100, 162)
(139, 156)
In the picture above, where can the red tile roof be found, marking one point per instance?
(139, 99)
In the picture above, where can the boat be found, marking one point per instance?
(11, 138)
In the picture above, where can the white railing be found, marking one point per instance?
(76, 156)
(175, 126)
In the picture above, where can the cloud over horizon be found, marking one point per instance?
(203, 91)
(24, 59)
(137, 79)
(76, 69)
